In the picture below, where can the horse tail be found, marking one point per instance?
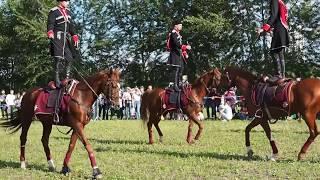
(14, 123)
(145, 113)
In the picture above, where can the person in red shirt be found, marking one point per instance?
(278, 24)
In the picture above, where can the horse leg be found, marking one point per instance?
(73, 140)
(47, 127)
(266, 127)
(23, 140)
(96, 171)
(150, 133)
(200, 126)
(310, 121)
(252, 124)
(189, 136)
(156, 125)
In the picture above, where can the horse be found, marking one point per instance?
(152, 105)
(303, 98)
(77, 117)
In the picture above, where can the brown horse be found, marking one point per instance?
(79, 108)
(152, 109)
(304, 98)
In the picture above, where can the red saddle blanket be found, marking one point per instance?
(41, 106)
(169, 98)
(272, 95)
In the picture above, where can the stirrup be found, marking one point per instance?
(56, 117)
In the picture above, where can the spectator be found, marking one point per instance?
(10, 98)
(231, 98)
(3, 105)
(149, 88)
(17, 101)
(136, 97)
(225, 110)
(95, 115)
(141, 89)
(126, 98)
(102, 107)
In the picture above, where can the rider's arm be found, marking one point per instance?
(274, 14)
(50, 23)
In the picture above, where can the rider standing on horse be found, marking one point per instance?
(60, 30)
(178, 52)
(278, 21)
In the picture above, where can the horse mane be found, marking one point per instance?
(243, 73)
(91, 79)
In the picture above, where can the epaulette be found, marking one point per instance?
(53, 9)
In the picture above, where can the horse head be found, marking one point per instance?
(111, 85)
(211, 80)
(233, 76)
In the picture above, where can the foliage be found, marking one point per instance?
(132, 34)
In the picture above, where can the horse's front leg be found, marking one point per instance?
(253, 123)
(79, 129)
(73, 140)
(266, 127)
(189, 135)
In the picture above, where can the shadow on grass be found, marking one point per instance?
(107, 141)
(16, 165)
(262, 131)
(186, 154)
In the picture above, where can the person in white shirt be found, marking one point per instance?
(10, 101)
(225, 110)
(136, 98)
(127, 100)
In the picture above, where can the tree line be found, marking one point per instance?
(131, 34)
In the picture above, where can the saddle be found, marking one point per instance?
(172, 99)
(273, 92)
(46, 100)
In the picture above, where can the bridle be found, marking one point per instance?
(109, 86)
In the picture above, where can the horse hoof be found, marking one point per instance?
(96, 173)
(161, 139)
(250, 154)
(301, 156)
(52, 169)
(23, 165)
(273, 157)
(65, 170)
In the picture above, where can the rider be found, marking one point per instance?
(178, 52)
(278, 20)
(59, 29)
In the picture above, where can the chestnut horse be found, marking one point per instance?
(304, 98)
(79, 109)
(151, 105)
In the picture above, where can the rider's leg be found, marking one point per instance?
(276, 61)
(57, 62)
(282, 62)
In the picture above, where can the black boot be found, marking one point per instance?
(56, 115)
(57, 71)
(176, 81)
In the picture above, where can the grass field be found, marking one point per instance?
(122, 153)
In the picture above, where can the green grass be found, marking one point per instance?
(122, 153)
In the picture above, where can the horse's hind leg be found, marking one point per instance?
(310, 119)
(23, 140)
(47, 127)
(156, 125)
(253, 123)
(266, 127)
(150, 133)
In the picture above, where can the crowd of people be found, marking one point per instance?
(9, 102)
(129, 105)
